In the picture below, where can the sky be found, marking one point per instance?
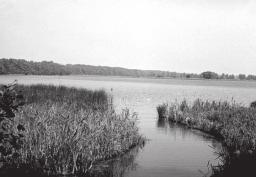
(172, 35)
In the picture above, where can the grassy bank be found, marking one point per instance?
(233, 124)
(69, 130)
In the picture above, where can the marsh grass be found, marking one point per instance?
(68, 130)
(77, 97)
(232, 123)
(162, 111)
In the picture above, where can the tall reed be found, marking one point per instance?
(68, 130)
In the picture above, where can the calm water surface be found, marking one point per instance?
(172, 151)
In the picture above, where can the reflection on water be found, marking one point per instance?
(185, 131)
(117, 167)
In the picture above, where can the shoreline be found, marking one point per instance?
(164, 81)
(133, 77)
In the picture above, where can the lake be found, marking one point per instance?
(172, 151)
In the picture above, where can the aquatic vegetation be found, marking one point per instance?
(162, 111)
(68, 130)
(78, 97)
(232, 123)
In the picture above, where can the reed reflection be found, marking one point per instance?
(185, 136)
(117, 167)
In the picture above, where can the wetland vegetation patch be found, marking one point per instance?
(232, 123)
(67, 131)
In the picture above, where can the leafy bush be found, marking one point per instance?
(11, 136)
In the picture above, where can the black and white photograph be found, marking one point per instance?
(127, 88)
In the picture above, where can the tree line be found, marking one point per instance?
(213, 75)
(21, 66)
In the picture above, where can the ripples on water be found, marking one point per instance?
(172, 150)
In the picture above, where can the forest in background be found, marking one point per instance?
(21, 66)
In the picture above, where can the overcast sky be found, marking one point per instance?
(174, 35)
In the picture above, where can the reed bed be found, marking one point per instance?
(78, 97)
(69, 130)
(232, 123)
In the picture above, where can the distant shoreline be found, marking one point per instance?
(62, 80)
(24, 67)
(132, 77)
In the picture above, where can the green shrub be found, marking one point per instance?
(10, 136)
